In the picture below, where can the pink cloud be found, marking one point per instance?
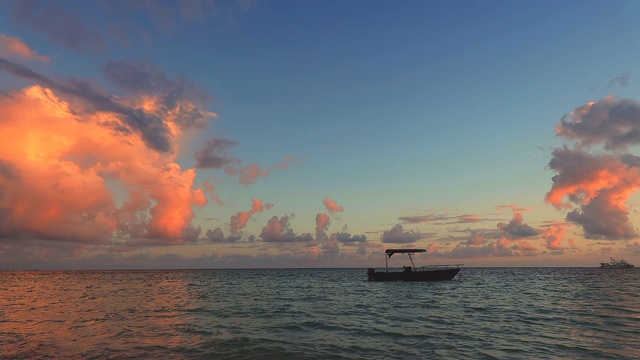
(332, 206)
(209, 188)
(10, 46)
(600, 185)
(526, 248)
(553, 237)
(56, 170)
(249, 174)
(322, 224)
(239, 220)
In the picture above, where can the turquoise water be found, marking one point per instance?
(491, 313)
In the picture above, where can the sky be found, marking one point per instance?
(259, 134)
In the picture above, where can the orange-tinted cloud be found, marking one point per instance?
(332, 206)
(600, 185)
(553, 236)
(12, 46)
(239, 220)
(249, 174)
(56, 170)
(322, 224)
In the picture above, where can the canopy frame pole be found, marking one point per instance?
(412, 264)
(386, 262)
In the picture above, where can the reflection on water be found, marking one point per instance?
(333, 313)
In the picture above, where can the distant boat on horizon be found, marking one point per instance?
(616, 264)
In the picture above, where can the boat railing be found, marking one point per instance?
(421, 268)
(427, 267)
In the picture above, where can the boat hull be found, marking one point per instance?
(425, 275)
(607, 266)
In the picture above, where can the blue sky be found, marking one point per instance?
(432, 109)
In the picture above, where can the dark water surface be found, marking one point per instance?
(491, 313)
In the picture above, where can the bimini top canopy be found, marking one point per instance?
(390, 252)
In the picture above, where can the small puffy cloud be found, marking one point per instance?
(322, 224)
(332, 206)
(553, 237)
(499, 247)
(13, 46)
(516, 229)
(217, 236)
(526, 248)
(397, 235)
(239, 220)
(214, 154)
(347, 238)
(278, 230)
(622, 80)
(247, 174)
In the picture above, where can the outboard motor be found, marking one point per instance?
(371, 272)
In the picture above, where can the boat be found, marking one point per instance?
(411, 273)
(616, 264)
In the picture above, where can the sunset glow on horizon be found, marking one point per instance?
(257, 134)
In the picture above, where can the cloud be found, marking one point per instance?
(600, 185)
(332, 206)
(58, 24)
(209, 188)
(443, 219)
(346, 238)
(156, 126)
(610, 121)
(553, 237)
(177, 98)
(498, 248)
(247, 174)
(214, 155)
(10, 46)
(623, 80)
(279, 231)
(398, 236)
(57, 168)
(239, 220)
(516, 229)
(217, 236)
(526, 248)
(322, 224)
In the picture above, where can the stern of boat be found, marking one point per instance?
(371, 272)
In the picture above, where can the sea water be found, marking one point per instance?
(491, 313)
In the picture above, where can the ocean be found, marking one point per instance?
(484, 313)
